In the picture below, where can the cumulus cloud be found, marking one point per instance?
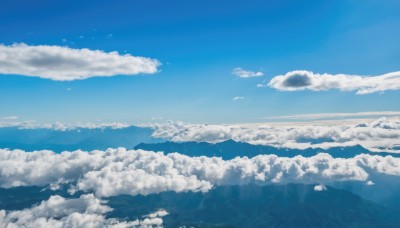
(242, 73)
(120, 171)
(307, 80)
(67, 64)
(86, 211)
(380, 135)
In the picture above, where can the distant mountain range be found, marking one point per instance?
(141, 138)
(292, 205)
(74, 139)
(230, 149)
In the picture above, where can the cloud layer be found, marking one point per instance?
(307, 80)
(67, 64)
(120, 171)
(242, 73)
(380, 135)
(336, 115)
(86, 211)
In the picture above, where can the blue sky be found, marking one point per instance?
(199, 43)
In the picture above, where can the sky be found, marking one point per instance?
(202, 61)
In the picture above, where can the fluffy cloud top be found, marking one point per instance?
(86, 211)
(67, 64)
(306, 80)
(380, 135)
(118, 171)
(242, 73)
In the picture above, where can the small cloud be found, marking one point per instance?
(262, 84)
(241, 73)
(369, 183)
(69, 89)
(320, 188)
(11, 117)
(237, 98)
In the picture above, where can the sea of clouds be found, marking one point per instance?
(85, 211)
(120, 171)
(97, 175)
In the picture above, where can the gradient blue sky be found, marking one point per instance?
(199, 43)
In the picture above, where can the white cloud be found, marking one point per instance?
(241, 73)
(306, 80)
(376, 135)
(118, 171)
(59, 126)
(320, 188)
(237, 98)
(380, 135)
(157, 214)
(86, 211)
(67, 64)
(335, 115)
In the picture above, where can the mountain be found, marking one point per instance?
(291, 205)
(74, 139)
(230, 149)
(260, 206)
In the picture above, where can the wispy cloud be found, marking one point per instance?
(241, 73)
(237, 98)
(329, 116)
(10, 118)
(307, 80)
(67, 64)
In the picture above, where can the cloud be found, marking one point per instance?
(307, 80)
(59, 126)
(120, 171)
(379, 135)
(335, 115)
(159, 213)
(382, 134)
(67, 64)
(237, 98)
(319, 188)
(241, 73)
(86, 211)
